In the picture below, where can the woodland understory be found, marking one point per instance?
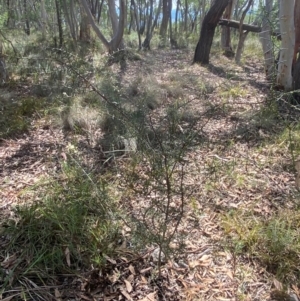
(142, 176)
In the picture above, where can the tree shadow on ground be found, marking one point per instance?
(29, 157)
(237, 76)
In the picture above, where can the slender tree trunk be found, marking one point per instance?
(125, 15)
(287, 30)
(167, 4)
(137, 22)
(296, 75)
(74, 21)
(296, 62)
(99, 11)
(225, 34)
(27, 26)
(115, 43)
(59, 23)
(242, 34)
(68, 17)
(266, 41)
(297, 30)
(194, 25)
(176, 17)
(114, 20)
(146, 43)
(43, 18)
(208, 30)
(85, 27)
(186, 7)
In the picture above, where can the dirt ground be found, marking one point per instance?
(236, 165)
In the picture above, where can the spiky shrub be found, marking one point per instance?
(155, 179)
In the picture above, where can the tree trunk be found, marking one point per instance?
(165, 20)
(43, 18)
(186, 7)
(99, 11)
(287, 30)
(115, 43)
(173, 41)
(114, 19)
(297, 30)
(176, 17)
(202, 11)
(225, 34)
(242, 34)
(296, 75)
(85, 27)
(208, 30)
(146, 43)
(137, 22)
(68, 14)
(266, 41)
(59, 23)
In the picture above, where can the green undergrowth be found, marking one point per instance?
(273, 241)
(17, 114)
(70, 225)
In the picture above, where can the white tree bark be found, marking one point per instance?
(266, 41)
(287, 30)
(114, 19)
(117, 38)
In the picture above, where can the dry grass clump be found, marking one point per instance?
(81, 116)
(147, 92)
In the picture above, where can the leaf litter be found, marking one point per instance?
(226, 172)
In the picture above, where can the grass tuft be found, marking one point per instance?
(274, 242)
(70, 226)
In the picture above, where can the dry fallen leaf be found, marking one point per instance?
(296, 289)
(67, 254)
(150, 297)
(131, 269)
(57, 294)
(126, 295)
(277, 284)
(109, 259)
(128, 286)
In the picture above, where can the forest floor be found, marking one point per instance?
(239, 169)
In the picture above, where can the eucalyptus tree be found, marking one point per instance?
(296, 61)
(208, 27)
(118, 25)
(70, 17)
(266, 39)
(287, 30)
(151, 25)
(297, 29)
(242, 33)
(166, 17)
(225, 33)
